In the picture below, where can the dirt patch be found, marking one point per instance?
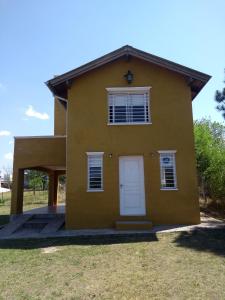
(49, 250)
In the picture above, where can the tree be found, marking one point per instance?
(36, 180)
(220, 98)
(7, 177)
(210, 155)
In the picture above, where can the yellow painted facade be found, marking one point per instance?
(171, 129)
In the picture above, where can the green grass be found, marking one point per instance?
(30, 201)
(163, 266)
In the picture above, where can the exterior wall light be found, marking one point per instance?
(129, 76)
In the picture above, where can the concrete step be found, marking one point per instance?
(48, 216)
(54, 225)
(133, 225)
(14, 225)
(44, 223)
(33, 225)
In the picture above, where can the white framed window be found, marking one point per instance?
(168, 170)
(95, 171)
(128, 105)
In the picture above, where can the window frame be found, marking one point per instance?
(129, 90)
(89, 155)
(163, 188)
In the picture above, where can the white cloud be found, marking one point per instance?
(31, 112)
(8, 156)
(4, 132)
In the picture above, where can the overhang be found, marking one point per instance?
(195, 79)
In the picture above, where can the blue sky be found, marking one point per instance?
(43, 38)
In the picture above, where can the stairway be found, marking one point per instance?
(33, 224)
(133, 225)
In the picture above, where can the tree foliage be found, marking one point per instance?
(36, 180)
(210, 155)
(220, 98)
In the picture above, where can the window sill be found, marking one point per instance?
(118, 124)
(95, 191)
(169, 189)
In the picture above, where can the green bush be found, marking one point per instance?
(210, 155)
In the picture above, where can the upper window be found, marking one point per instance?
(128, 105)
(95, 171)
(168, 170)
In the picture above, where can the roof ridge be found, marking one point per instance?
(129, 50)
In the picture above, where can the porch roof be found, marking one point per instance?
(40, 152)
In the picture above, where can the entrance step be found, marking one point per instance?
(34, 224)
(54, 225)
(48, 216)
(133, 225)
(46, 223)
(28, 225)
(14, 225)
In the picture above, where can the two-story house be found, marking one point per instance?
(123, 134)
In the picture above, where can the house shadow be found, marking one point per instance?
(36, 243)
(203, 240)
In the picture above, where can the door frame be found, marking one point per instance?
(144, 194)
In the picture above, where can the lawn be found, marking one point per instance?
(162, 266)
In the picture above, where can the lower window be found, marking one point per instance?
(168, 170)
(95, 171)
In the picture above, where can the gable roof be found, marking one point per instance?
(196, 80)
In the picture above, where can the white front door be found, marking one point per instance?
(132, 190)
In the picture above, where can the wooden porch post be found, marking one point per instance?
(17, 191)
(52, 188)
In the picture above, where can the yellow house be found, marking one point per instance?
(123, 134)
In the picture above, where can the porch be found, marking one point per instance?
(46, 154)
(56, 209)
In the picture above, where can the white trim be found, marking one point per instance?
(116, 124)
(167, 151)
(94, 153)
(94, 191)
(169, 189)
(135, 89)
(60, 98)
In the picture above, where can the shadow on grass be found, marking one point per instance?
(69, 241)
(203, 240)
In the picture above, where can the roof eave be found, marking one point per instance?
(129, 51)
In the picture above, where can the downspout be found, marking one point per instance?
(60, 98)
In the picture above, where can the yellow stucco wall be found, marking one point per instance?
(43, 151)
(171, 129)
(59, 118)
